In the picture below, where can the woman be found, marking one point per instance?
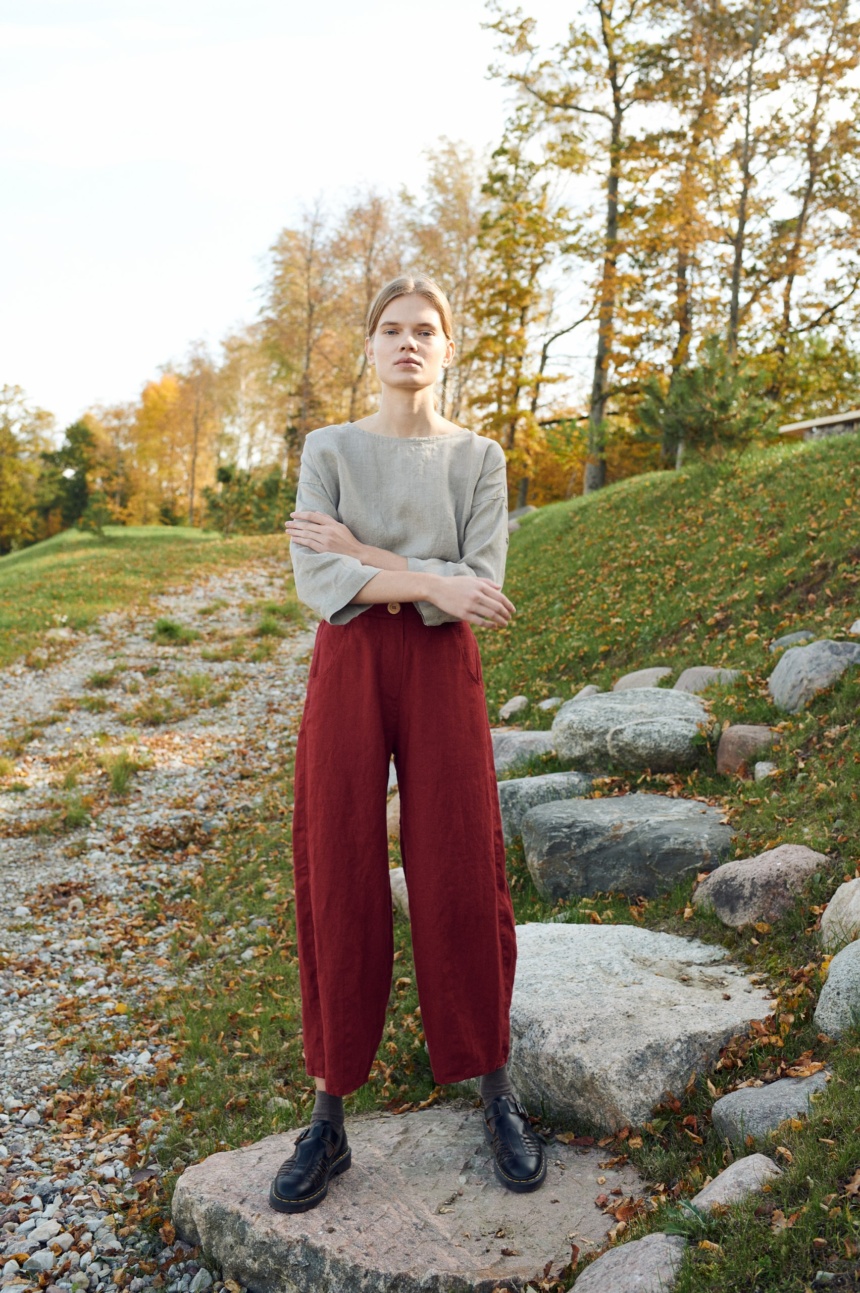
(398, 541)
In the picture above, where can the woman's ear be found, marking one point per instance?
(368, 349)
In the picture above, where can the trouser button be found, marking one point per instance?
(394, 607)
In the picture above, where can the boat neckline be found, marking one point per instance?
(414, 439)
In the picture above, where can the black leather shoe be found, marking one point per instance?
(302, 1181)
(519, 1159)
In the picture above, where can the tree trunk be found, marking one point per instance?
(739, 240)
(523, 492)
(195, 441)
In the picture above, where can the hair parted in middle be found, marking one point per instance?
(403, 285)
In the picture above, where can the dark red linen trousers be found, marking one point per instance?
(386, 683)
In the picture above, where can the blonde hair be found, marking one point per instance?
(403, 285)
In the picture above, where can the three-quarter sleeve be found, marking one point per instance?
(485, 537)
(325, 581)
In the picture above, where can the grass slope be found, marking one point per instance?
(697, 567)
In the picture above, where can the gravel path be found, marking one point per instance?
(199, 727)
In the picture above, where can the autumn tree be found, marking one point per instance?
(524, 233)
(588, 90)
(26, 433)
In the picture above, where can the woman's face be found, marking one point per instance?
(409, 347)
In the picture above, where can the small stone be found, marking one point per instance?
(792, 639)
(65, 1240)
(839, 1004)
(738, 746)
(45, 1231)
(31, 1118)
(854, 629)
(513, 750)
(551, 703)
(840, 920)
(202, 1280)
(516, 705)
(648, 1265)
(43, 1260)
(642, 678)
(744, 1176)
(700, 677)
(584, 692)
(145, 1057)
(399, 892)
(763, 887)
(806, 670)
(10, 1268)
(518, 794)
(21, 913)
(763, 770)
(756, 1111)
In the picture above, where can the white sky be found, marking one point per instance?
(151, 150)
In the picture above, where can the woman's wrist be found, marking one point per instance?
(381, 558)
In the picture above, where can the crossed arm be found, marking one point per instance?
(465, 597)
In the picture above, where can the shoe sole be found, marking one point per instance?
(304, 1205)
(513, 1183)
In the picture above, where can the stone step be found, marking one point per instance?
(605, 1019)
(419, 1211)
(633, 844)
(646, 727)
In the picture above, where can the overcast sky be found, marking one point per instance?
(151, 151)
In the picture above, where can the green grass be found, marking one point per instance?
(167, 632)
(121, 766)
(73, 578)
(704, 566)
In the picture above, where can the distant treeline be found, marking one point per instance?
(659, 256)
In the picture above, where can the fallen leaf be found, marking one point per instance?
(852, 1189)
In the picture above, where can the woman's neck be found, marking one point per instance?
(403, 414)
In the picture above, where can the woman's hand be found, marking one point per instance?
(467, 597)
(322, 533)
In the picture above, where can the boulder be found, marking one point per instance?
(793, 639)
(606, 1019)
(634, 844)
(399, 892)
(550, 704)
(513, 749)
(588, 690)
(520, 794)
(642, 678)
(839, 1004)
(739, 744)
(763, 770)
(840, 920)
(646, 727)
(757, 1110)
(702, 676)
(392, 816)
(648, 1265)
(805, 670)
(516, 705)
(758, 888)
(419, 1211)
(742, 1177)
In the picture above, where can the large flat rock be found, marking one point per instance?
(634, 844)
(606, 1019)
(644, 727)
(419, 1211)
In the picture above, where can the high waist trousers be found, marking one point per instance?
(383, 684)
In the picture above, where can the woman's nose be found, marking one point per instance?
(409, 343)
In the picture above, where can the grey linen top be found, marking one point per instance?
(441, 501)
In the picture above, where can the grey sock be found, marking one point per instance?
(495, 1083)
(328, 1108)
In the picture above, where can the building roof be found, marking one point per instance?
(798, 428)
